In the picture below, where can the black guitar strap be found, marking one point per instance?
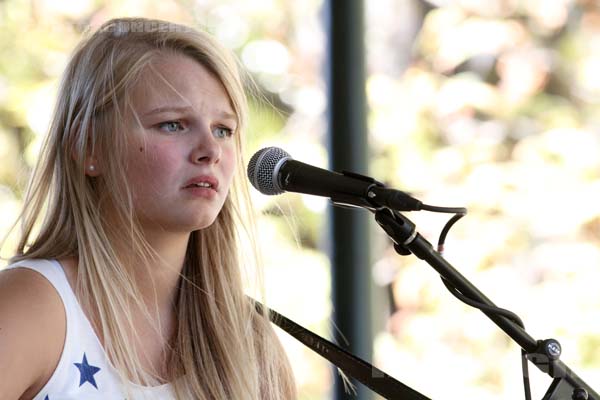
(362, 371)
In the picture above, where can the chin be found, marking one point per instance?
(204, 223)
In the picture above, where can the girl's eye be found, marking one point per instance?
(171, 126)
(222, 132)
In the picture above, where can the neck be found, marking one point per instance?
(163, 273)
(160, 275)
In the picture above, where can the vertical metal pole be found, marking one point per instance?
(349, 250)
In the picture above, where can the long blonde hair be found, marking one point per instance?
(222, 347)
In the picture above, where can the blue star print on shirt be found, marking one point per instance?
(87, 372)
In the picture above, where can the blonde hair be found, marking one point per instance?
(222, 347)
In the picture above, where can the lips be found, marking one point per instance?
(204, 181)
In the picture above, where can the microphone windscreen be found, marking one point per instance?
(263, 169)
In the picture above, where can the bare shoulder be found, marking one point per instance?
(32, 332)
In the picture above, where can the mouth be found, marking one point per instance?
(205, 182)
(207, 185)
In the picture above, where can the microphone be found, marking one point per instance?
(273, 171)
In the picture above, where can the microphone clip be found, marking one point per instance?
(353, 201)
(378, 196)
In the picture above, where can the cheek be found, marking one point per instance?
(229, 159)
(152, 167)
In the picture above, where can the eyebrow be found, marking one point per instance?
(163, 109)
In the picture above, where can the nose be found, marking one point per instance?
(206, 150)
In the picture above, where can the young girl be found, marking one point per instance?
(127, 282)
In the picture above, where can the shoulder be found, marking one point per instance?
(32, 330)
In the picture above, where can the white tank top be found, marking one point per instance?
(84, 370)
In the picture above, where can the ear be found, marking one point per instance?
(92, 166)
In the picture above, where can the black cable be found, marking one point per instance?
(484, 307)
(524, 365)
(499, 311)
(448, 210)
(446, 229)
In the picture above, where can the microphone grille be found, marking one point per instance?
(263, 169)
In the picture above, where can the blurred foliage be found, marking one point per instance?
(489, 104)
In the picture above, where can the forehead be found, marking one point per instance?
(177, 80)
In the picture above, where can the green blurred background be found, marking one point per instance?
(488, 104)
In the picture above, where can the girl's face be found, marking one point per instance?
(181, 159)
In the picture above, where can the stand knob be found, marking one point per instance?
(551, 348)
(580, 394)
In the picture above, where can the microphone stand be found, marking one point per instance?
(544, 354)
